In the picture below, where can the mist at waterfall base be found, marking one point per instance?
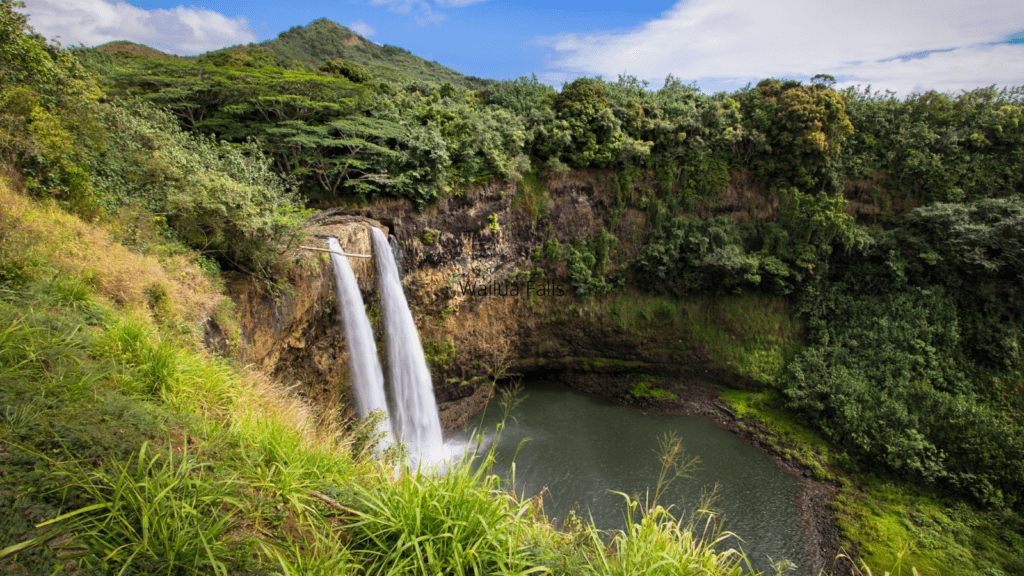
(581, 447)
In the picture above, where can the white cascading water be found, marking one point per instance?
(415, 419)
(367, 377)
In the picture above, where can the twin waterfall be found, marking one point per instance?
(413, 419)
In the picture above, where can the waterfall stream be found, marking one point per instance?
(415, 416)
(367, 377)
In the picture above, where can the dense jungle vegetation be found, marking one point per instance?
(894, 226)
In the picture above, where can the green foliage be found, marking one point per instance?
(809, 227)
(467, 143)
(522, 95)
(300, 118)
(220, 199)
(426, 132)
(27, 60)
(492, 224)
(648, 390)
(933, 147)
(976, 251)
(693, 138)
(354, 71)
(905, 359)
(587, 263)
(804, 128)
(597, 137)
(324, 131)
(46, 114)
(439, 353)
(691, 255)
(583, 277)
(552, 250)
(430, 236)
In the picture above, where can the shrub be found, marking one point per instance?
(222, 200)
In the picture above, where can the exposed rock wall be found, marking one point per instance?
(294, 333)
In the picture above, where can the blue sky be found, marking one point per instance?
(905, 46)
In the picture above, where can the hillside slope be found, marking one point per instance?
(307, 47)
(324, 40)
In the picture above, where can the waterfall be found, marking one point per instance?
(415, 419)
(367, 377)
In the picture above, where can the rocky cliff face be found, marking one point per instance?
(295, 333)
(484, 307)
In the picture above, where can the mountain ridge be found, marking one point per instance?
(310, 46)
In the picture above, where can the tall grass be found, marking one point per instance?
(40, 240)
(459, 522)
(161, 513)
(658, 541)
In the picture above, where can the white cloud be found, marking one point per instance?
(423, 13)
(959, 69)
(855, 41)
(362, 28)
(180, 30)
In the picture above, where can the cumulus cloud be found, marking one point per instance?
(362, 28)
(180, 30)
(906, 46)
